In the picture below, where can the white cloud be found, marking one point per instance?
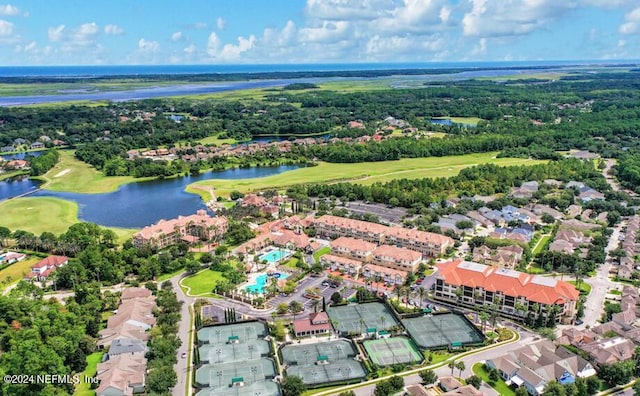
(403, 47)
(190, 50)
(176, 36)
(213, 44)
(632, 22)
(511, 17)
(328, 31)
(228, 52)
(445, 13)
(347, 9)
(148, 46)
(113, 30)
(55, 33)
(221, 23)
(480, 48)
(6, 28)
(198, 26)
(9, 10)
(280, 38)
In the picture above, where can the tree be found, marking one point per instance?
(493, 374)
(452, 366)
(636, 389)
(293, 386)
(295, 306)
(347, 393)
(396, 383)
(554, 388)
(460, 366)
(428, 376)
(617, 373)
(475, 381)
(161, 378)
(522, 391)
(336, 298)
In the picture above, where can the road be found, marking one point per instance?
(184, 329)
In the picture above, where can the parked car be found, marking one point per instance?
(579, 322)
(184, 355)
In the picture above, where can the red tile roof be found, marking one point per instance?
(397, 253)
(420, 236)
(305, 325)
(534, 288)
(359, 225)
(352, 244)
(51, 261)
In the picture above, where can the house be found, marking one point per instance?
(17, 164)
(534, 365)
(122, 375)
(316, 323)
(7, 149)
(36, 145)
(199, 226)
(516, 293)
(126, 345)
(384, 274)
(45, 267)
(342, 264)
(19, 141)
(253, 200)
(504, 256)
(132, 320)
(355, 125)
(11, 258)
(610, 350)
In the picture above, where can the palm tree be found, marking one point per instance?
(383, 320)
(460, 366)
(421, 292)
(314, 304)
(458, 295)
(484, 317)
(451, 365)
(361, 325)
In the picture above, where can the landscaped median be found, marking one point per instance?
(333, 390)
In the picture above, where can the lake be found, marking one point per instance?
(19, 156)
(136, 205)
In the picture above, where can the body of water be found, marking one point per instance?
(136, 205)
(19, 156)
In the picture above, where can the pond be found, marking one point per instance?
(136, 205)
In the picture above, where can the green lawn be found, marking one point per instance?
(39, 214)
(460, 120)
(84, 387)
(541, 244)
(321, 252)
(364, 173)
(201, 283)
(216, 140)
(10, 174)
(499, 386)
(292, 263)
(585, 288)
(15, 272)
(164, 277)
(71, 174)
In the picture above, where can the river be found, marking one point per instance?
(135, 205)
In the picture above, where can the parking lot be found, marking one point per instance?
(321, 284)
(383, 212)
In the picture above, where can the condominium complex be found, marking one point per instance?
(427, 243)
(199, 226)
(514, 294)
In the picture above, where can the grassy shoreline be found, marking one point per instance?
(363, 173)
(40, 214)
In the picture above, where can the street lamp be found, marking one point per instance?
(219, 375)
(254, 370)
(251, 351)
(218, 352)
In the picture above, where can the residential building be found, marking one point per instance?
(199, 226)
(503, 257)
(610, 350)
(36, 145)
(534, 365)
(356, 249)
(384, 274)
(398, 258)
(316, 323)
(516, 294)
(11, 258)
(342, 264)
(427, 243)
(126, 345)
(132, 319)
(122, 375)
(334, 227)
(45, 267)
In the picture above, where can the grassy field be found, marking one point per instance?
(13, 273)
(364, 173)
(216, 140)
(461, 120)
(585, 288)
(10, 174)
(321, 252)
(39, 214)
(84, 387)
(502, 388)
(201, 283)
(541, 244)
(71, 174)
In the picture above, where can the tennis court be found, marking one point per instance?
(358, 318)
(395, 350)
(323, 362)
(225, 375)
(440, 331)
(265, 388)
(308, 353)
(247, 331)
(234, 352)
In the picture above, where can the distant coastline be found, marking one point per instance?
(150, 70)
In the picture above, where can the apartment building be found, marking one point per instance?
(356, 249)
(334, 227)
(514, 294)
(397, 258)
(427, 243)
(199, 226)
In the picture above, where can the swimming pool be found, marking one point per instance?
(276, 255)
(261, 282)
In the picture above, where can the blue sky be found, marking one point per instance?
(70, 32)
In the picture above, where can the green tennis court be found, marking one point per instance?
(357, 318)
(440, 331)
(395, 350)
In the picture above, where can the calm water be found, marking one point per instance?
(136, 205)
(17, 186)
(19, 156)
